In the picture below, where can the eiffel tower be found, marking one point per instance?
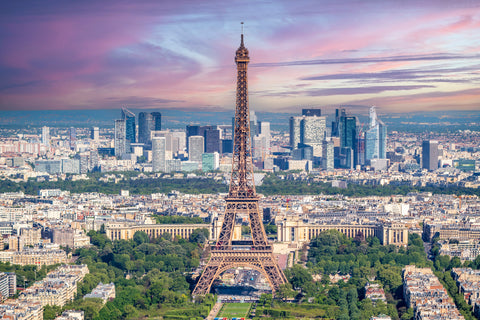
(241, 199)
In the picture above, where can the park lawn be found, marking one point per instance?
(234, 310)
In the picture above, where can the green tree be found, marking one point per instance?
(141, 237)
(51, 312)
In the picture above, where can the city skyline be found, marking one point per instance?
(399, 56)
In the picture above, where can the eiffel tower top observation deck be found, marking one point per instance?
(241, 184)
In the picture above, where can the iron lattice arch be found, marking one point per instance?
(242, 199)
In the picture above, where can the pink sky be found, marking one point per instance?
(398, 55)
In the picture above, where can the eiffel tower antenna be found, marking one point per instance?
(242, 199)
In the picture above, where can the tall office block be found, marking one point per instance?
(73, 138)
(253, 124)
(295, 131)
(375, 138)
(335, 124)
(430, 155)
(328, 155)
(348, 131)
(196, 148)
(157, 121)
(264, 130)
(178, 141)
(212, 140)
(360, 149)
(158, 154)
(227, 146)
(120, 141)
(196, 130)
(382, 140)
(95, 134)
(130, 128)
(46, 136)
(371, 143)
(145, 127)
(258, 146)
(312, 112)
(307, 130)
(312, 130)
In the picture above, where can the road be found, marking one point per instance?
(213, 313)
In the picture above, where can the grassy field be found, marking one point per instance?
(234, 310)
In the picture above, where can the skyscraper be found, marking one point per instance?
(327, 155)
(264, 130)
(120, 141)
(158, 154)
(375, 138)
(372, 143)
(430, 155)
(212, 140)
(73, 138)
(253, 124)
(157, 121)
(295, 131)
(95, 134)
(308, 130)
(145, 127)
(196, 148)
(46, 136)
(130, 129)
(312, 133)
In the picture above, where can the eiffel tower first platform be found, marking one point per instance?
(241, 199)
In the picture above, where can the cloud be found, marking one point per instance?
(138, 102)
(342, 91)
(426, 57)
(430, 75)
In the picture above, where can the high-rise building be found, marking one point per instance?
(382, 143)
(310, 112)
(375, 138)
(371, 143)
(227, 146)
(264, 130)
(212, 140)
(196, 148)
(348, 131)
(145, 127)
(157, 121)
(46, 136)
(178, 141)
(312, 130)
(73, 138)
(295, 131)
(360, 149)
(430, 155)
(130, 128)
(158, 154)
(258, 146)
(196, 130)
(95, 134)
(328, 155)
(120, 141)
(335, 124)
(253, 124)
(307, 130)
